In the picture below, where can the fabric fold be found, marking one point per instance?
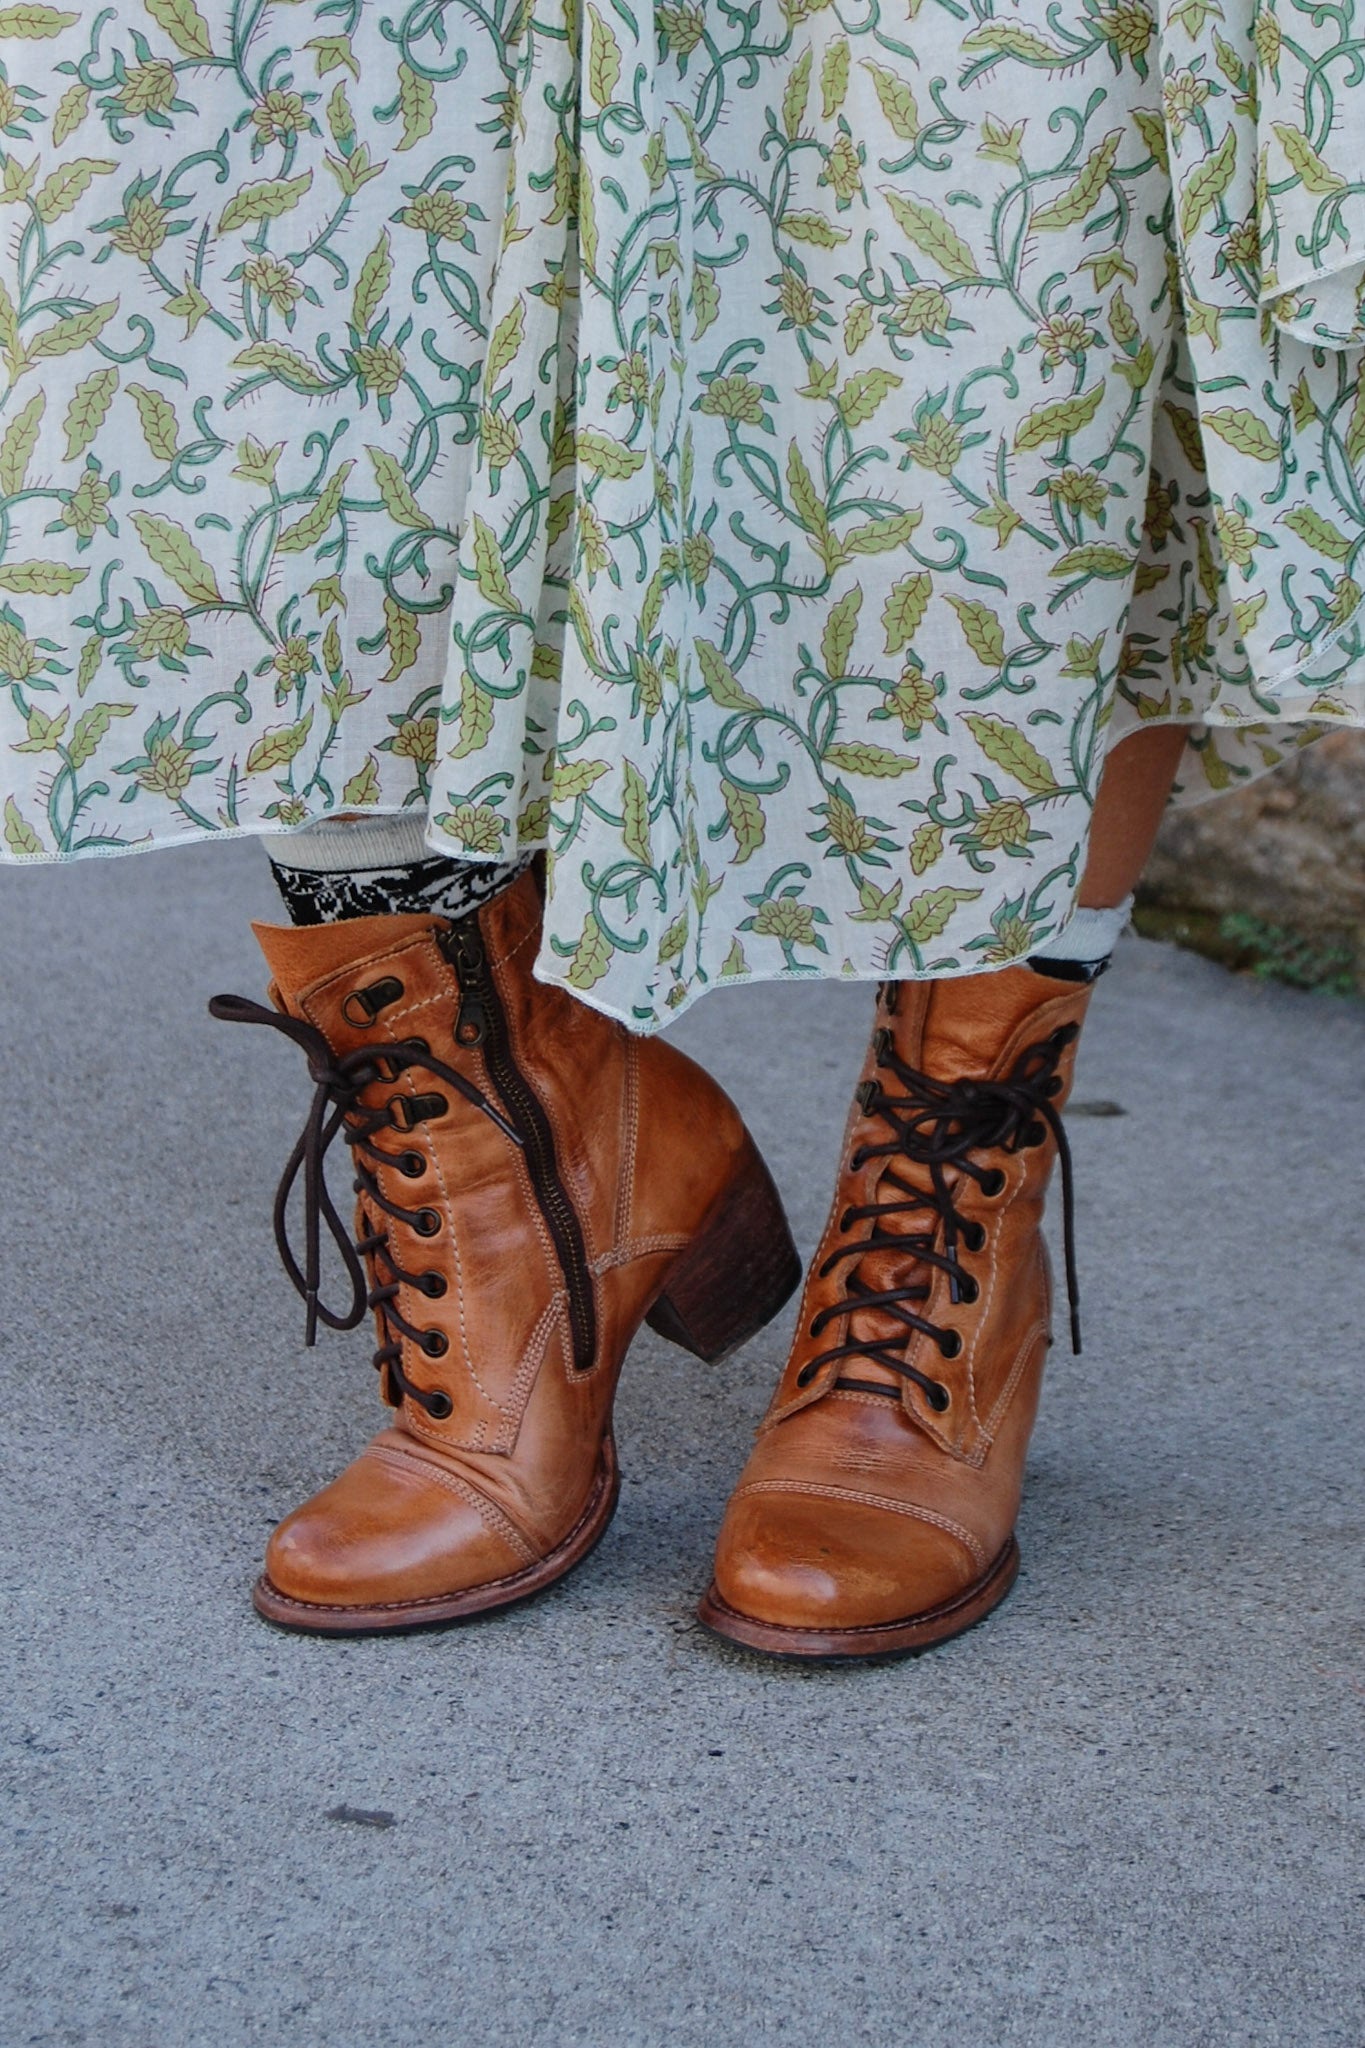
(1310, 143)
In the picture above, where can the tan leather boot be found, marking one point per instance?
(876, 1513)
(533, 1182)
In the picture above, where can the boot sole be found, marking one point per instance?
(883, 1639)
(443, 1609)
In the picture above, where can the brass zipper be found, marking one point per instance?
(481, 1022)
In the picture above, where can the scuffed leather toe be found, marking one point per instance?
(387, 1531)
(801, 1561)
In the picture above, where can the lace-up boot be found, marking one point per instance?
(876, 1513)
(533, 1182)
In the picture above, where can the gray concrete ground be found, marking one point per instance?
(1125, 1811)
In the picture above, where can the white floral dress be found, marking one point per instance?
(763, 454)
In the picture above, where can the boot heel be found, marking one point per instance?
(737, 1272)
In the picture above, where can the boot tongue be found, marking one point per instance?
(299, 956)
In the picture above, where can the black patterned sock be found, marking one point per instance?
(372, 867)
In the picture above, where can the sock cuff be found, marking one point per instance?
(1088, 935)
(350, 846)
(374, 867)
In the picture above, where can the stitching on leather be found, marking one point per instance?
(354, 967)
(553, 1316)
(441, 1600)
(803, 1397)
(449, 1208)
(509, 1413)
(575, 1168)
(938, 1304)
(639, 1248)
(392, 1017)
(493, 1517)
(406, 1082)
(875, 1500)
(520, 1168)
(1001, 1215)
(625, 1200)
(501, 959)
(1036, 1329)
(1010, 1388)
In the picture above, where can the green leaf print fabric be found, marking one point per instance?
(765, 454)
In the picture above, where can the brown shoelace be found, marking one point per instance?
(339, 1084)
(938, 1126)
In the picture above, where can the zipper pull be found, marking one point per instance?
(464, 949)
(471, 1021)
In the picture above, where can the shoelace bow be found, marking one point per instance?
(938, 1126)
(339, 1081)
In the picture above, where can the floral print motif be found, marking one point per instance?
(765, 455)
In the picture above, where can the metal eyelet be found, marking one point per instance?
(426, 1223)
(432, 1285)
(439, 1406)
(407, 1111)
(993, 1183)
(950, 1344)
(974, 1237)
(938, 1397)
(435, 1343)
(967, 1290)
(363, 1005)
(412, 1165)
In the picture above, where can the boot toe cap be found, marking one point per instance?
(383, 1537)
(801, 1561)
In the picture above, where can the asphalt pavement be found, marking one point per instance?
(1124, 1813)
